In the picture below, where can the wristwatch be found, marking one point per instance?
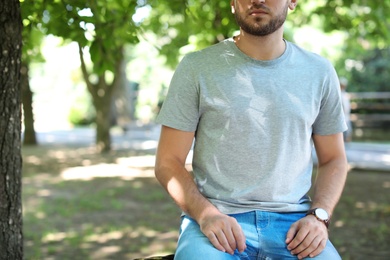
(320, 214)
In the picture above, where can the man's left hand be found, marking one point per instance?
(307, 237)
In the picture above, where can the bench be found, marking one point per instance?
(166, 257)
(370, 109)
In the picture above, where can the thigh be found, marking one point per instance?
(194, 245)
(273, 237)
(329, 252)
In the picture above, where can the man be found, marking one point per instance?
(254, 104)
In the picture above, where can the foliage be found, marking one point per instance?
(204, 22)
(367, 43)
(103, 26)
(32, 36)
(367, 23)
(81, 112)
(371, 73)
(188, 25)
(100, 25)
(101, 29)
(193, 25)
(196, 24)
(366, 69)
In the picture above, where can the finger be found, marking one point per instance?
(231, 240)
(222, 239)
(300, 235)
(309, 244)
(239, 238)
(310, 248)
(319, 248)
(215, 242)
(291, 233)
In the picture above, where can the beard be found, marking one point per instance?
(257, 28)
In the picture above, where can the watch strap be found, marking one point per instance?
(313, 212)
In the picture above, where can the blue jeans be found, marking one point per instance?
(265, 234)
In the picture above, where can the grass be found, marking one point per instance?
(94, 218)
(129, 216)
(362, 219)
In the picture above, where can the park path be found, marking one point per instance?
(368, 156)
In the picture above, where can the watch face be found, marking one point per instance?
(321, 214)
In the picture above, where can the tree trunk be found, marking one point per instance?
(122, 99)
(102, 94)
(102, 106)
(27, 100)
(11, 236)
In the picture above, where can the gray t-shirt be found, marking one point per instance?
(253, 122)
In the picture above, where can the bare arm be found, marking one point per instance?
(332, 171)
(308, 236)
(174, 145)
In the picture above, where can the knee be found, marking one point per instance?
(329, 252)
(190, 250)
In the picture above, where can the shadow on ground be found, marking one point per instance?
(83, 205)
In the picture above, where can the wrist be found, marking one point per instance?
(321, 215)
(205, 212)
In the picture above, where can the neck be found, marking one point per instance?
(267, 47)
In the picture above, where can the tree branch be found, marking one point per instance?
(84, 70)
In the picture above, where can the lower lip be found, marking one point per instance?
(255, 14)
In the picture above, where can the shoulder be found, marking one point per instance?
(308, 57)
(212, 52)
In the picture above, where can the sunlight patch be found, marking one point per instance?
(33, 160)
(137, 161)
(339, 223)
(104, 171)
(137, 145)
(147, 161)
(105, 251)
(143, 232)
(54, 237)
(104, 238)
(44, 193)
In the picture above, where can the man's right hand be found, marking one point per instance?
(224, 232)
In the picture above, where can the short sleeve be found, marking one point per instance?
(180, 109)
(330, 119)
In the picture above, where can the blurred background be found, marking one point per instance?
(108, 63)
(94, 76)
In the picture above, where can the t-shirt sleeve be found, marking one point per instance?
(330, 119)
(180, 109)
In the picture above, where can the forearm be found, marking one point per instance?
(329, 184)
(181, 187)
(223, 232)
